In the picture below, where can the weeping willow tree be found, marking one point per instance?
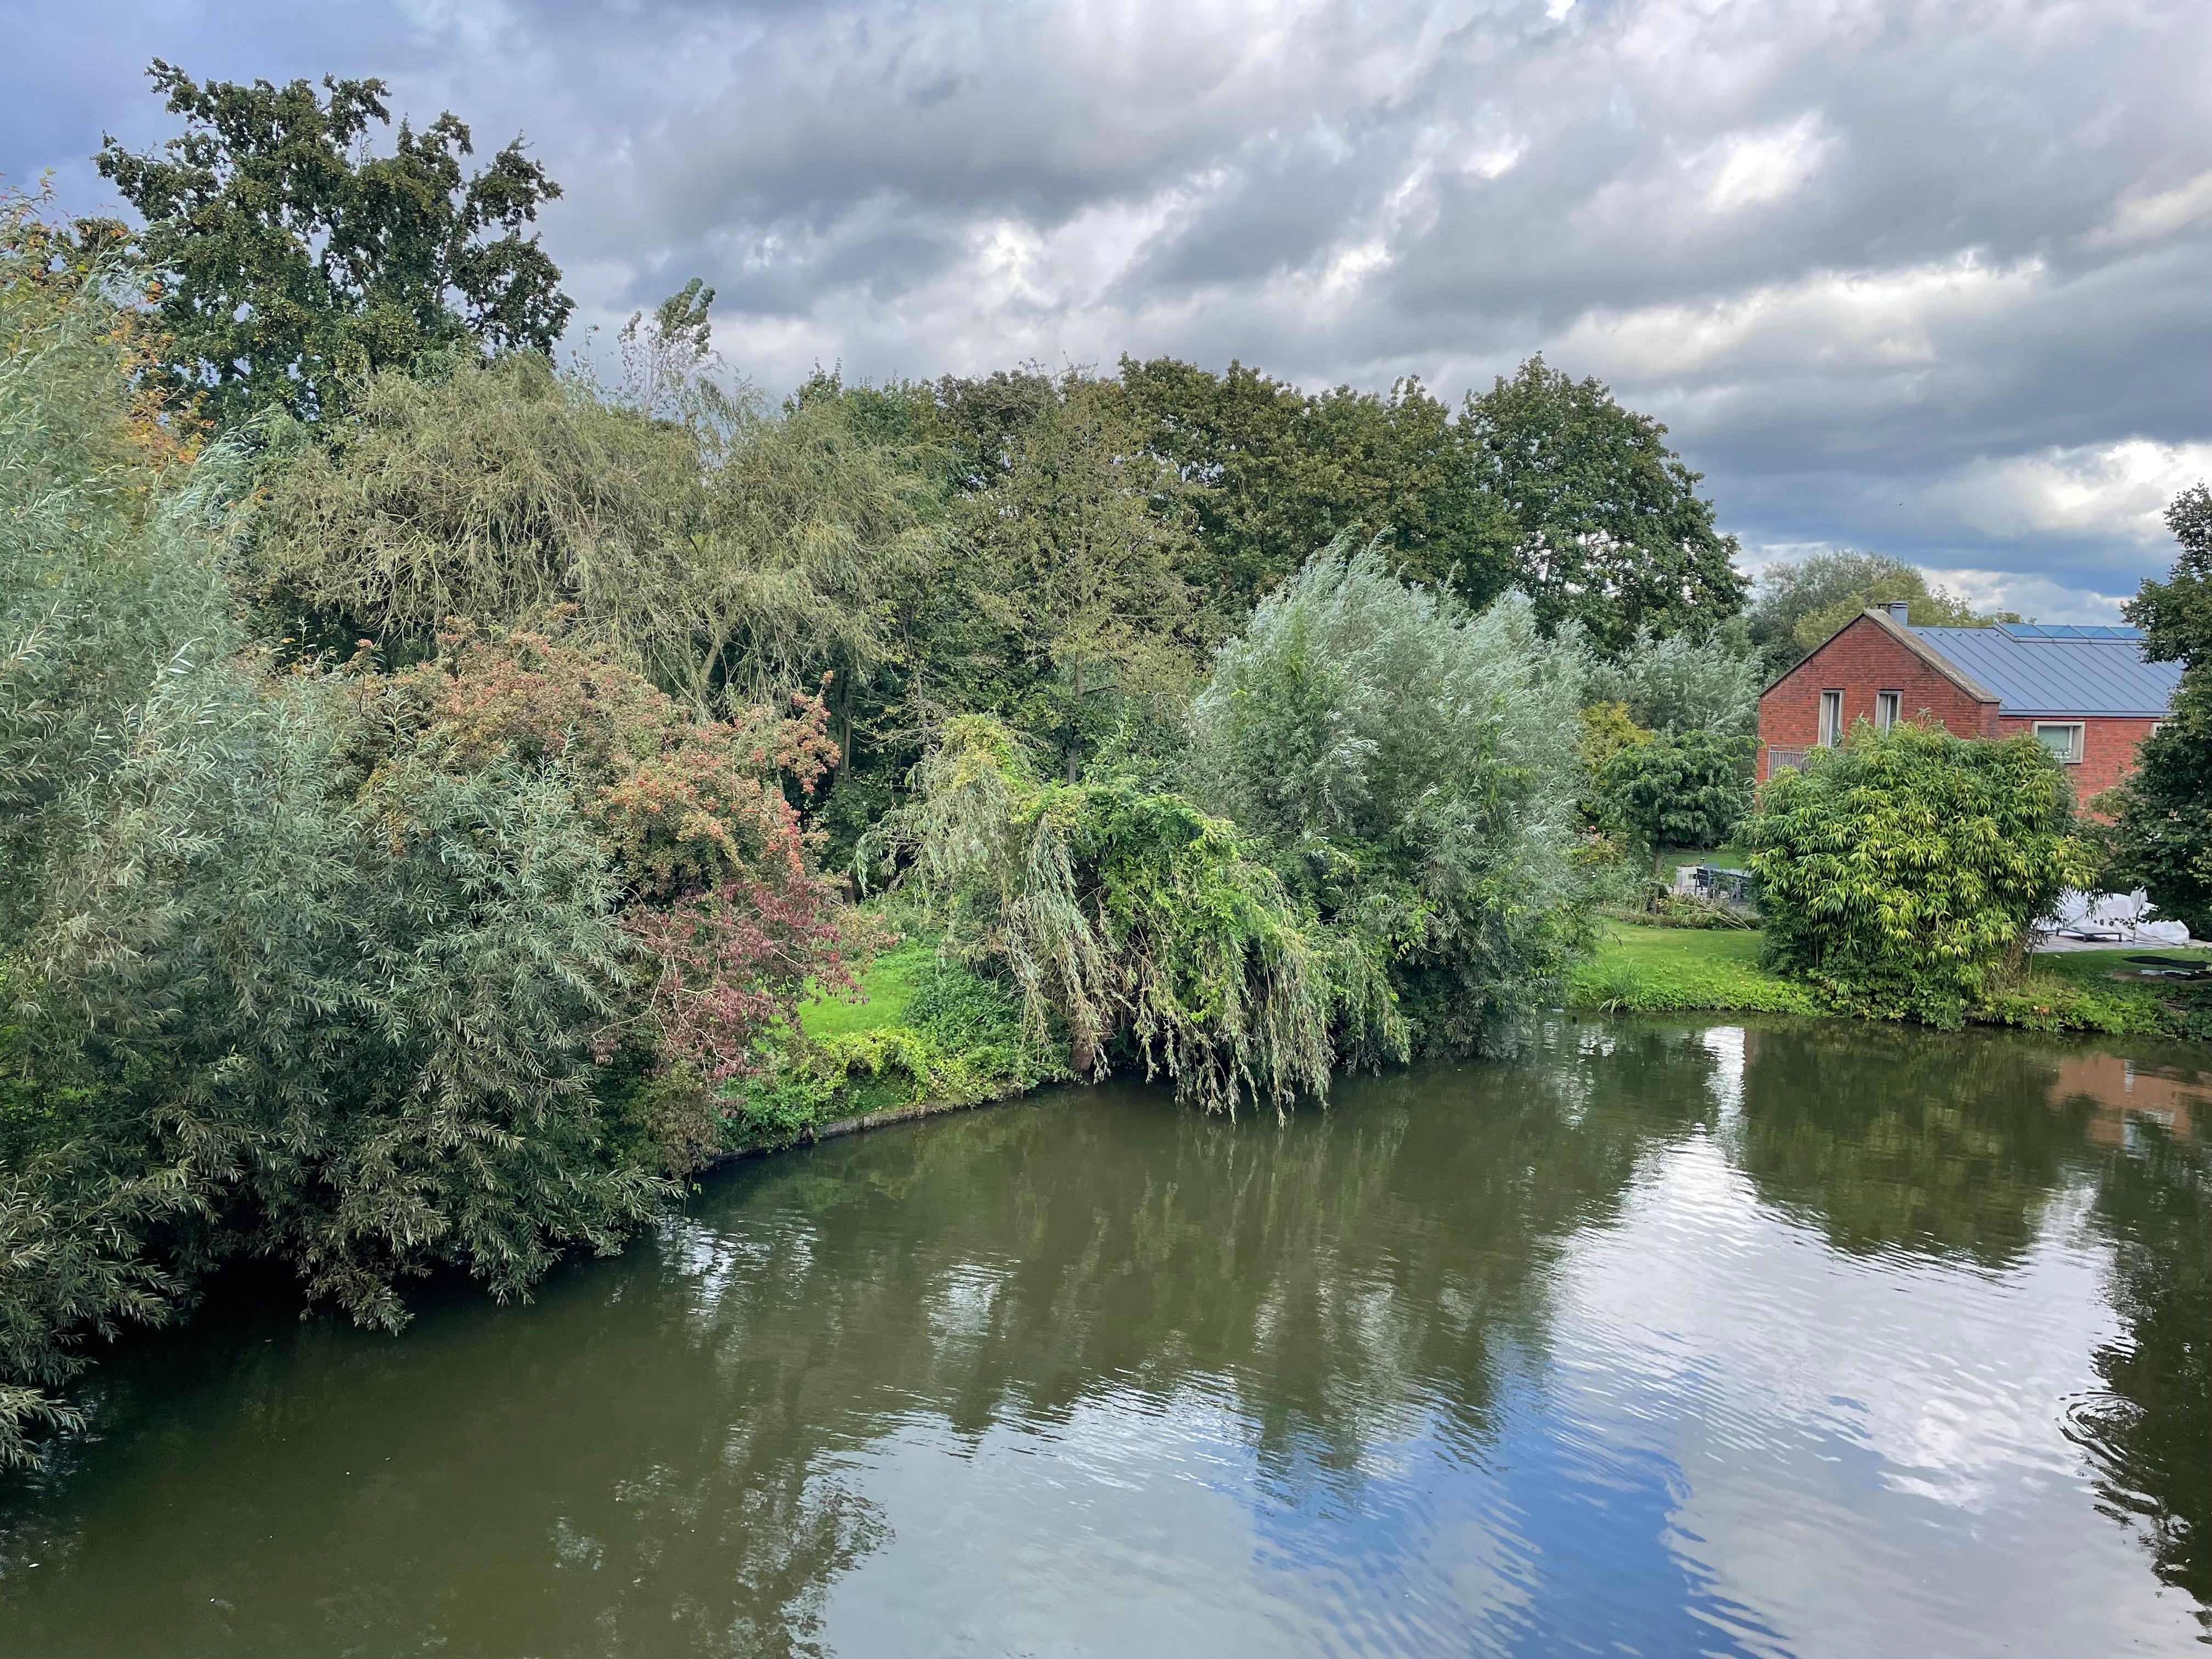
(1128, 920)
(733, 549)
(814, 529)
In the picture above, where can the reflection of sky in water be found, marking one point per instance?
(1740, 1442)
(1729, 1367)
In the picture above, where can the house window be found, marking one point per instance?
(2062, 738)
(1886, 705)
(1832, 719)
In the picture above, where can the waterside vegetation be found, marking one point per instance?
(450, 796)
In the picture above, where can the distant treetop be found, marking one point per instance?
(289, 258)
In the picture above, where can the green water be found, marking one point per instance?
(1662, 1341)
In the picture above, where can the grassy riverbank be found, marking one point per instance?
(1683, 970)
(916, 1033)
(920, 1035)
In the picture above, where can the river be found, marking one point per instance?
(1662, 1340)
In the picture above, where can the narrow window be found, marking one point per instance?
(2063, 740)
(1886, 705)
(1832, 719)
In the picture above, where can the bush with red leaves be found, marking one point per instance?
(722, 891)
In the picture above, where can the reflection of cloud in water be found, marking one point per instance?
(1725, 1340)
(1871, 1451)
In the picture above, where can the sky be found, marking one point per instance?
(1924, 277)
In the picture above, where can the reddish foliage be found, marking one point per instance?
(723, 894)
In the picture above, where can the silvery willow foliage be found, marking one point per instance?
(1685, 683)
(1412, 770)
(250, 1006)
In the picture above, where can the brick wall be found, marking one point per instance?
(2108, 749)
(1864, 658)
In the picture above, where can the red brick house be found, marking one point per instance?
(2087, 692)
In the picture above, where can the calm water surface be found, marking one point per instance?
(1656, 1340)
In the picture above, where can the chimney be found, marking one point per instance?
(1900, 611)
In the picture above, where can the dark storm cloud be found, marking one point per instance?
(1920, 275)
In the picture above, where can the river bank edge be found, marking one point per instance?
(861, 1054)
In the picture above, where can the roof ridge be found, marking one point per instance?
(1927, 651)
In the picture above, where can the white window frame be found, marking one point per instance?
(1832, 719)
(2075, 742)
(1888, 708)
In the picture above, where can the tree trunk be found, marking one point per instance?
(844, 709)
(1075, 743)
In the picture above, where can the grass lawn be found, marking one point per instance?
(886, 987)
(1681, 970)
(1652, 970)
(1669, 969)
(2111, 971)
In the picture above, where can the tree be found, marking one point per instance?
(1119, 914)
(253, 1005)
(2161, 835)
(292, 260)
(1077, 543)
(743, 550)
(1802, 605)
(1608, 527)
(1401, 763)
(1902, 872)
(1284, 470)
(1684, 682)
(1685, 789)
(499, 491)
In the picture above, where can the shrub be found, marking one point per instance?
(1682, 683)
(1901, 873)
(2161, 835)
(257, 1003)
(692, 813)
(1685, 790)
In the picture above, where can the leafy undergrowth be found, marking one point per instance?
(921, 1031)
(1643, 970)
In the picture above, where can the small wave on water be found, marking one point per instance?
(1654, 1341)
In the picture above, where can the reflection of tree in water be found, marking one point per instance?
(1889, 1138)
(2151, 1435)
(661, 1455)
(1334, 1275)
(1953, 1147)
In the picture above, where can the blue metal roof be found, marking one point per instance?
(2067, 631)
(2060, 670)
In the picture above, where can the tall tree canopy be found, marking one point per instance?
(1609, 528)
(2162, 834)
(1077, 542)
(1284, 471)
(1802, 604)
(291, 258)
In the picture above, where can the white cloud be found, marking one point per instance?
(1919, 275)
(1760, 168)
(2147, 218)
(2035, 597)
(2119, 491)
